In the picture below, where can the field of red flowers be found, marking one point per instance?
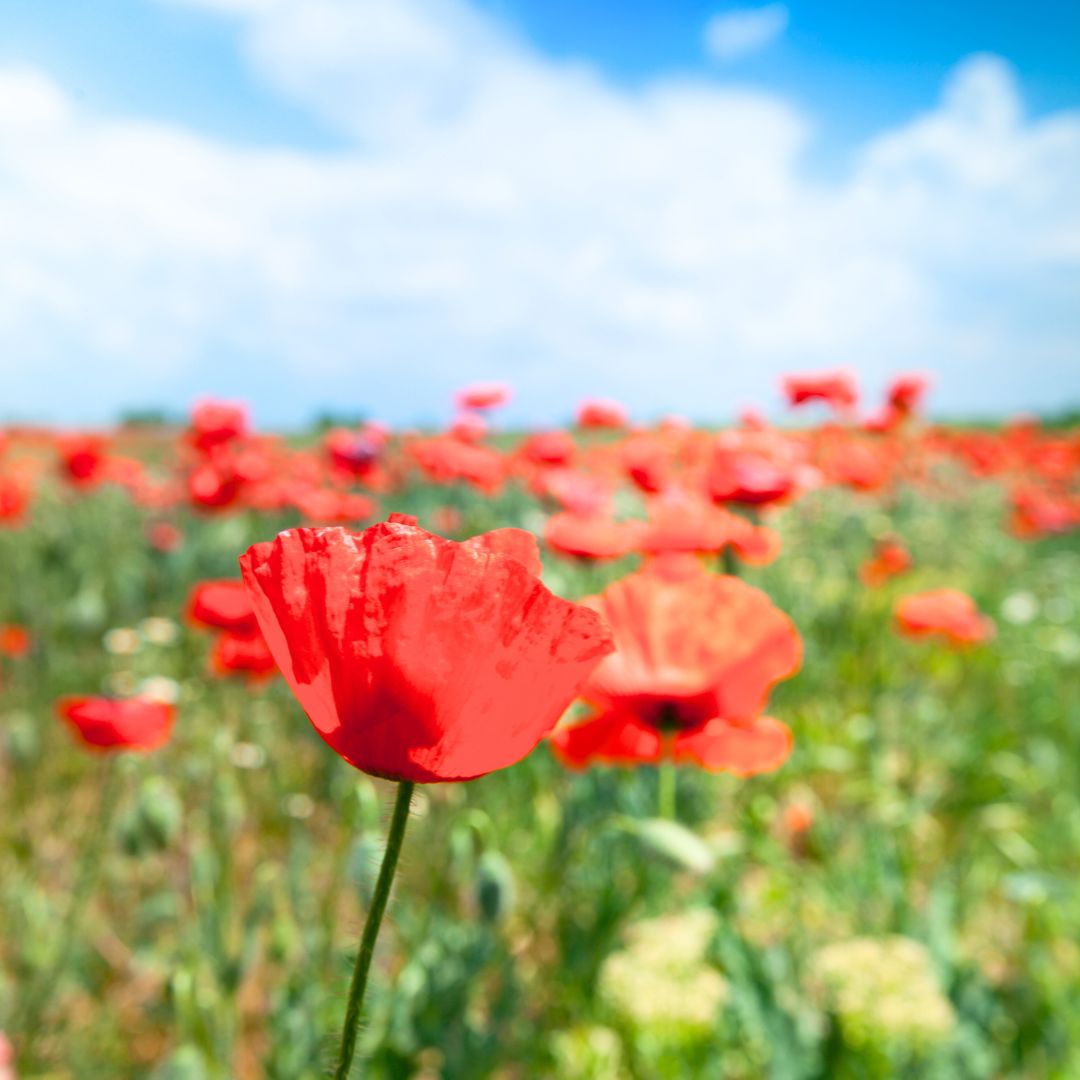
(668, 751)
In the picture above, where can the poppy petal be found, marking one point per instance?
(743, 748)
(609, 738)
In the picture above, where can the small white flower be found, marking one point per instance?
(160, 688)
(159, 630)
(122, 641)
(299, 806)
(1019, 608)
(245, 755)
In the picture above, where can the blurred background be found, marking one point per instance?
(314, 204)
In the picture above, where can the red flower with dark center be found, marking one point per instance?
(945, 613)
(109, 724)
(82, 459)
(696, 656)
(353, 453)
(750, 479)
(415, 657)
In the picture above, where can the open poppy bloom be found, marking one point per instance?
(750, 479)
(946, 613)
(82, 459)
(108, 724)
(419, 658)
(697, 655)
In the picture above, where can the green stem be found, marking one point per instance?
(667, 783)
(37, 998)
(730, 562)
(371, 927)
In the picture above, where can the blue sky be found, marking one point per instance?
(363, 203)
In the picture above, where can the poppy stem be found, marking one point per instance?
(371, 927)
(668, 781)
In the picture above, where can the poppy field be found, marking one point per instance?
(671, 751)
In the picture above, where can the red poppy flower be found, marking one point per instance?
(679, 522)
(581, 493)
(214, 423)
(353, 453)
(444, 458)
(469, 427)
(750, 479)
(517, 543)
(82, 459)
(415, 657)
(483, 396)
(1036, 512)
(906, 392)
(946, 613)
(222, 605)
(14, 641)
(548, 448)
(890, 558)
(696, 656)
(601, 413)
(591, 536)
(164, 536)
(107, 724)
(835, 388)
(212, 488)
(328, 506)
(14, 499)
(242, 654)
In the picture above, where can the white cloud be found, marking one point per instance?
(498, 214)
(732, 34)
